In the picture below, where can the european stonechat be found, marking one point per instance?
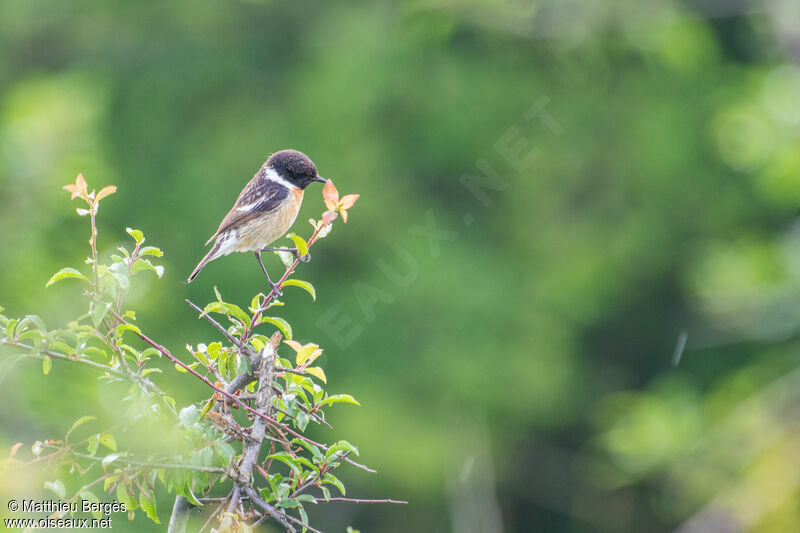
(265, 209)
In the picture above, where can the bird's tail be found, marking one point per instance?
(210, 256)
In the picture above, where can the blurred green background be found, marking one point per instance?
(516, 364)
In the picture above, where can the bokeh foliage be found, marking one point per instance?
(532, 351)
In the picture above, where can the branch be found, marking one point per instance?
(136, 379)
(265, 373)
(280, 517)
(279, 285)
(357, 500)
(213, 469)
(180, 515)
(233, 340)
(233, 397)
(63, 357)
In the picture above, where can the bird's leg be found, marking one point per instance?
(303, 259)
(274, 286)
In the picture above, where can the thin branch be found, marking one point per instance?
(136, 379)
(280, 517)
(215, 513)
(233, 397)
(233, 340)
(235, 492)
(300, 522)
(279, 285)
(63, 357)
(357, 500)
(151, 465)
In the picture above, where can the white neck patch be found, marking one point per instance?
(271, 175)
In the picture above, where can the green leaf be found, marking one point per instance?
(315, 451)
(225, 451)
(110, 458)
(99, 312)
(143, 264)
(287, 258)
(38, 322)
(137, 235)
(289, 503)
(57, 487)
(128, 327)
(151, 250)
(333, 480)
(47, 364)
(305, 353)
(340, 398)
(339, 449)
(213, 350)
(189, 415)
(189, 495)
(343, 444)
(317, 372)
(148, 504)
(81, 421)
(123, 496)
(303, 515)
(66, 273)
(10, 327)
(302, 420)
(207, 407)
(287, 459)
(227, 309)
(280, 323)
(92, 443)
(302, 246)
(90, 496)
(309, 288)
(110, 481)
(109, 441)
(120, 273)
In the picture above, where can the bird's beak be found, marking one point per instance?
(320, 179)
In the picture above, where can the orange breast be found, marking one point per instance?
(261, 232)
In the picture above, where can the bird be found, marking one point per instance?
(265, 209)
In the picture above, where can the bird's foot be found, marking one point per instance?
(294, 251)
(276, 289)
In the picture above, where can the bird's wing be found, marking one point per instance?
(259, 197)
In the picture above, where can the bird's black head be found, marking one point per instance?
(295, 167)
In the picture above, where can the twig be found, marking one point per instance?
(235, 492)
(233, 340)
(280, 517)
(357, 500)
(152, 465)
(136, 379)
(233, 397)
(63, 357)
(215, 513)
(300, 522)
(289, 269)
